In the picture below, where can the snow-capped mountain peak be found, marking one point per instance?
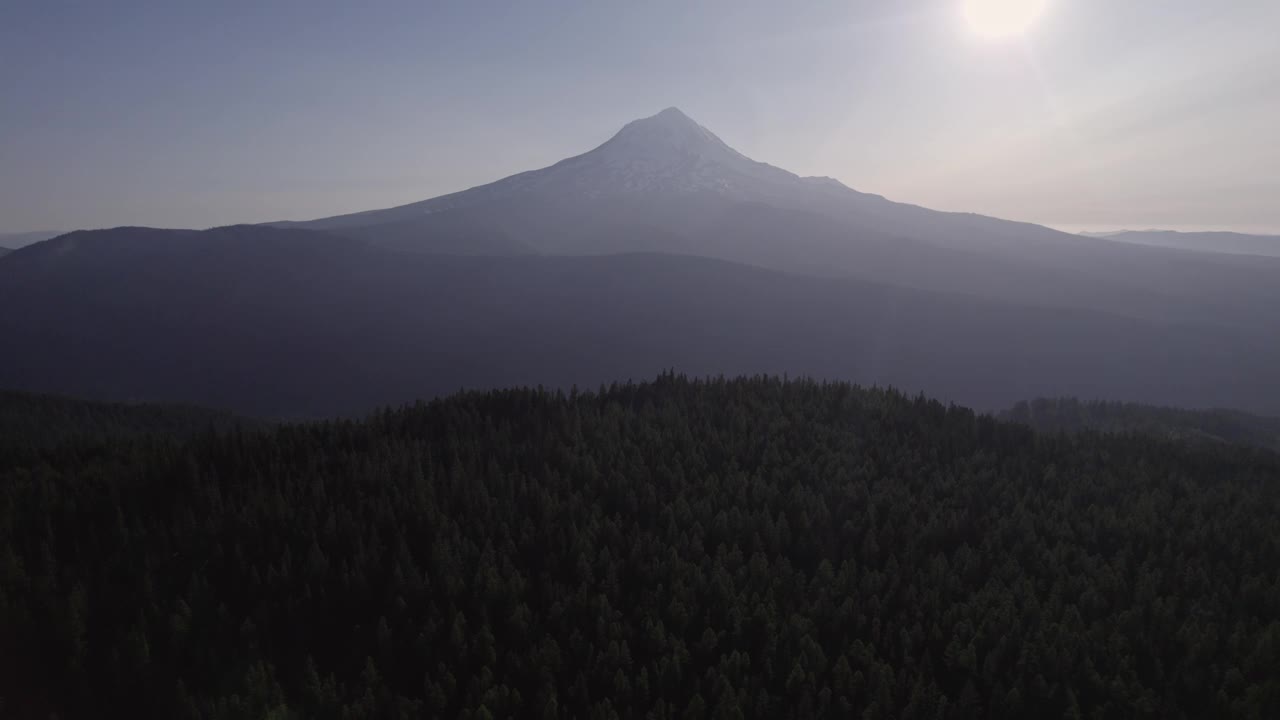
(664, 155)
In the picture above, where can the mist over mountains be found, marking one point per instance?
(1214, 242)
(662, 248)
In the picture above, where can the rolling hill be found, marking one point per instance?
(30, 421)
(733, 548)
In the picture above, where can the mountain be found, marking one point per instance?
(1215, 242)
(4, 251)
(661, 248)
(667, 184)
(733, 548)
(14, 241)
(1218, 426)
(287, 322)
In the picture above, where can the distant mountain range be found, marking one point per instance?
(13, 241)
(300, 323)
(1216, 426)
(662, 248)
(1214, 242)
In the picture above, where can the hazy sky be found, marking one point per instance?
(1108, 113)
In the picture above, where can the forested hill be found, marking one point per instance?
(33, 421)
(673, 549)
(1072, 415)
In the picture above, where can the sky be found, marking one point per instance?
(1103, 115)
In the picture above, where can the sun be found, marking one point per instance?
(1002, 18)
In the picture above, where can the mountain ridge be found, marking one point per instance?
(295, 323)
(1217, 241)
(14, 241)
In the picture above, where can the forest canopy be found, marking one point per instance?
(671, 549)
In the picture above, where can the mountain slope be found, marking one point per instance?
(14, 241)
(4, 251)
(667, 184)
(1072, 415)
(35, 422)
(679, 175)
(1213, 242)
(291, 322)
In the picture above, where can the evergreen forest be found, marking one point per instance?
(677, 548)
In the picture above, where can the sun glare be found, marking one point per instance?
(1002, 18)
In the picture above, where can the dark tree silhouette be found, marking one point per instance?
(672, 549)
